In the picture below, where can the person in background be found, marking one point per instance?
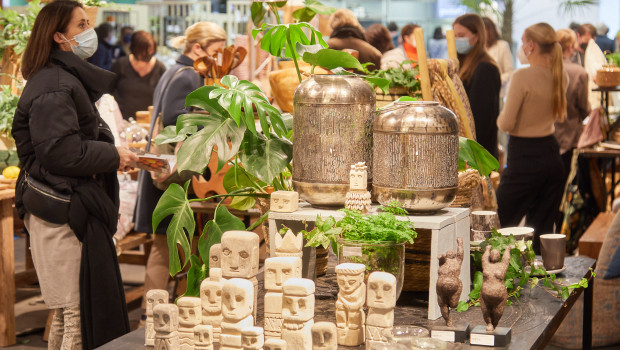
(393, 28)
(585, 33)
(404, 52)
(602, 40)
(104, 55)
(480, 76)
(379, 37)
(348, 33)
(499, 50)
(531, 185)
(125, 42)
(137, 75)
(438, 46)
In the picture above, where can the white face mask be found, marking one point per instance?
(522, 56)
(87, 43)
(462, 45)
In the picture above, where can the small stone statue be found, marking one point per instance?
(240, 258)
(275, 344)
(289, 245)
(284, 201)
(166, 323)
(350, 317)
(277, 271)
(449, 285)
(237, 307)
(381, 301)
(215, 254)
(252, 338)
(493, 294)
(358, 197)
(203, 337)
(190, 315)
(211, 300)
(154, 297)
(298, 313)
(324, 336)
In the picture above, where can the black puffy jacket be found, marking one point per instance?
(61, 139)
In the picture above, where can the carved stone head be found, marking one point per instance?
(278, 270)
(215, 253)
(239, 254)
(155, 297)
(211, 292)
(237, 299)
(350, 276)
(284, 201)
(203, 335)
(324, 336)
(298, 300)
(166, 318)
(358, 176)
(381, 292)
(252, 338)
(275, 344)
(289, 245)
(190, 311)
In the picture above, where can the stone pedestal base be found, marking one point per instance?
(480, 336)
(456, 334)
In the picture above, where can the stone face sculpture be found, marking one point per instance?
(203, 337)
(275, 344)
(284, 201)
(289, 245)
(381, 301)
(190, 315)
(215, 254)
(493, 294)
(211, 300)
(237, 307)
(349, 306)
(449, 285)
(154, 297)
(166, 324)
(298, 313)
(358, 197)
(240, 258)
(277, 271)
(252, 338)
(324, 336)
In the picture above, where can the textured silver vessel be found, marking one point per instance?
(332, 129)
(415, 153)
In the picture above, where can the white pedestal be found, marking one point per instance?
(446, 225)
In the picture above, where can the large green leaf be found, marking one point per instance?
(330, 59)
(196, 274)
(382, 83)
(311, 8)
(182, 225)
(195, 153)
(235, 179)
(472, 153)
(200, 98)
(169, 135)
(265, 158)
(276, 38)
(258, 10)
(222, 221)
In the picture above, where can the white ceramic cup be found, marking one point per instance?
(553, 248)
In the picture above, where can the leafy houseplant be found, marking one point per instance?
(403, 78)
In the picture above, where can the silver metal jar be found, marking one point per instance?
(332, 129)
(416, 152)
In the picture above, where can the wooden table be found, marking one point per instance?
(7, 270)
(534, 319)
(591, 241)
(602, 154)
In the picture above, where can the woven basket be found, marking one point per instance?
(393, 94)
(418, 262)
(322, 257)
(468, 180)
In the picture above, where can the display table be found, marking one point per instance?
(534, 319)
(7, 270)
(445, 226)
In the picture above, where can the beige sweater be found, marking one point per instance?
(528, 111)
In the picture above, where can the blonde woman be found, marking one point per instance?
(348, 33)
(201, 39)
(531, 184)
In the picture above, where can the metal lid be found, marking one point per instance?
(425, 117)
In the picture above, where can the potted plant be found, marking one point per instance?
(403, 82)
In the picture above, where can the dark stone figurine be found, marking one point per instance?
(493, 295)
(449, 285)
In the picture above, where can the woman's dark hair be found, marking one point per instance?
(104, 30)
(142, 46)
(379, 37)
(492, 33)
(438, 34)
(54, 17)
(408, 30)
(478, 53)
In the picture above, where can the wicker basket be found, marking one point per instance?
(418, 262)
(468, 180)
(322, 258)
(393, 94)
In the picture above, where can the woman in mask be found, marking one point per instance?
(138, 74)
(480, 77)
(405, 52)
(67, 190)
(531, 184)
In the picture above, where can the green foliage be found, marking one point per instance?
(330, 59)
(402, 77)
(383, 84)
(95, 3)
(310, 9)
(474, 155)
(8, 105)
(17, 27)
(259, 10)
(281, 40)
(613, 58)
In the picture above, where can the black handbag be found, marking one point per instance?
(42, 201)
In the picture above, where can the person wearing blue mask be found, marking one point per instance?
(480, 76)
(67, 190)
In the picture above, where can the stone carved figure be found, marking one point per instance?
(289, 245)
(493, 294)
(203, 337)
(154, 297)
(252, 338)
(324, 336)
(381, 301)
(215, 256)
(449, 285)
(237, 307)
(349, 305)
(166, 323)
(298, 313)
(190, 315)
(277, 271)
(275, 344)
(211, 300)
(284, 201)
(358, 197)
(240, 258)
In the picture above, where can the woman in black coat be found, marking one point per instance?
(67, 190)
